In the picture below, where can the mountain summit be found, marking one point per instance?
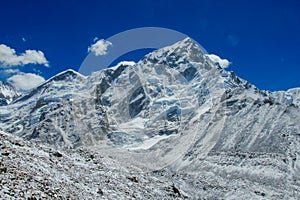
(176, 113)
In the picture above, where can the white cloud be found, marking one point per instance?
(100, 47)
(95, 39)
(25, 81)
(9, 57)
(9, 71)
(224, 63)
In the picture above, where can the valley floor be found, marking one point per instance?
(30, 170)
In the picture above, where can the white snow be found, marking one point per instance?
(149, 142)
(129, 63)
(224, 63)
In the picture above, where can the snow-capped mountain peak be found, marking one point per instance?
(66, 75)
(183, 51)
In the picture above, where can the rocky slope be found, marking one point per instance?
(33, 171)
(7, 93)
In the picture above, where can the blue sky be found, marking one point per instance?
(260, 38)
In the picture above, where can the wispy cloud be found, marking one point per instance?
(25, 81)
(232, 40)
(9, 71)
(224, 63)
(95, 39)
(100, 47)
(9, 57)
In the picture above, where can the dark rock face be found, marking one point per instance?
(190, 73)
(137, 102)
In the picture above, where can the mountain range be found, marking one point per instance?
(176, 121)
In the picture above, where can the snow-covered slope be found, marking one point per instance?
(7, 93)
(60, 111)
(177, 113)
(292, 96)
